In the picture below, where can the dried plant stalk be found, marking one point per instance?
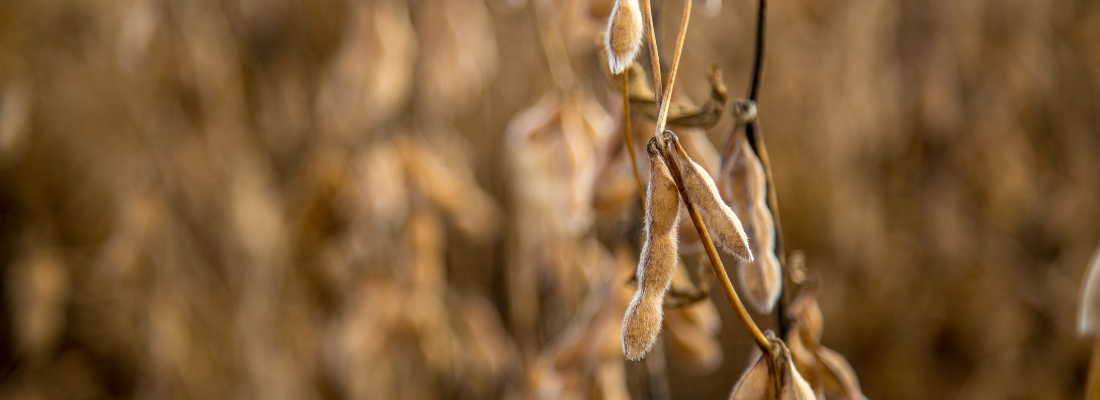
(658, 261)
(705, 115)
(723, 224)
(666, 93)
(716, 264)
(743, 185)
(623, 38)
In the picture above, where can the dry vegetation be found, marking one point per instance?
(393, 199)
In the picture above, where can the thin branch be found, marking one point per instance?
(756, 140)
(654, 58)
(630, 138)
(715, 261)
(758, 53)
(782, 322)
(662, 116)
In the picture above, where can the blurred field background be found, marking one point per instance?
(426, 199)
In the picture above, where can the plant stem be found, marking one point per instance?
(758, 52)
(708, 244)
(756, 140)
(629, 135)
(715, 261)
(752, 129)
(666, 94)
(654, 58)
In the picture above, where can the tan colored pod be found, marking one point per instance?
(722, 224)
(744, 186)
(624, 33)
(643, 317)
(762, 379)
(840, 379)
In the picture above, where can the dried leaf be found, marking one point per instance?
(706, 115)
(658, 259)
(624, 33)
(723, 225)
(744, 186)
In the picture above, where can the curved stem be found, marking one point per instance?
(715, 261)
(756, 140)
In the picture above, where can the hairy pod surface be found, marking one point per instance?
(744, 186)
(723, 225)
(624, 33)
(657, 263)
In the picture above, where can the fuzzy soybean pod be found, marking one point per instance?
(624, 33)
(723, 225)
(658, 259)
(744, 185)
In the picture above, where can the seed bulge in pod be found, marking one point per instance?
(657, 262)
(723, 225)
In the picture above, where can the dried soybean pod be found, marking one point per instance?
(658, 259)
(723, 225)
(840, 378)
(623, 38)
(766, 375)
(744, 186)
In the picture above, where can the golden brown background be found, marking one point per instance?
(297, 199)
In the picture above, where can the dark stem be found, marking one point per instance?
(758, 54)
(756, 140)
